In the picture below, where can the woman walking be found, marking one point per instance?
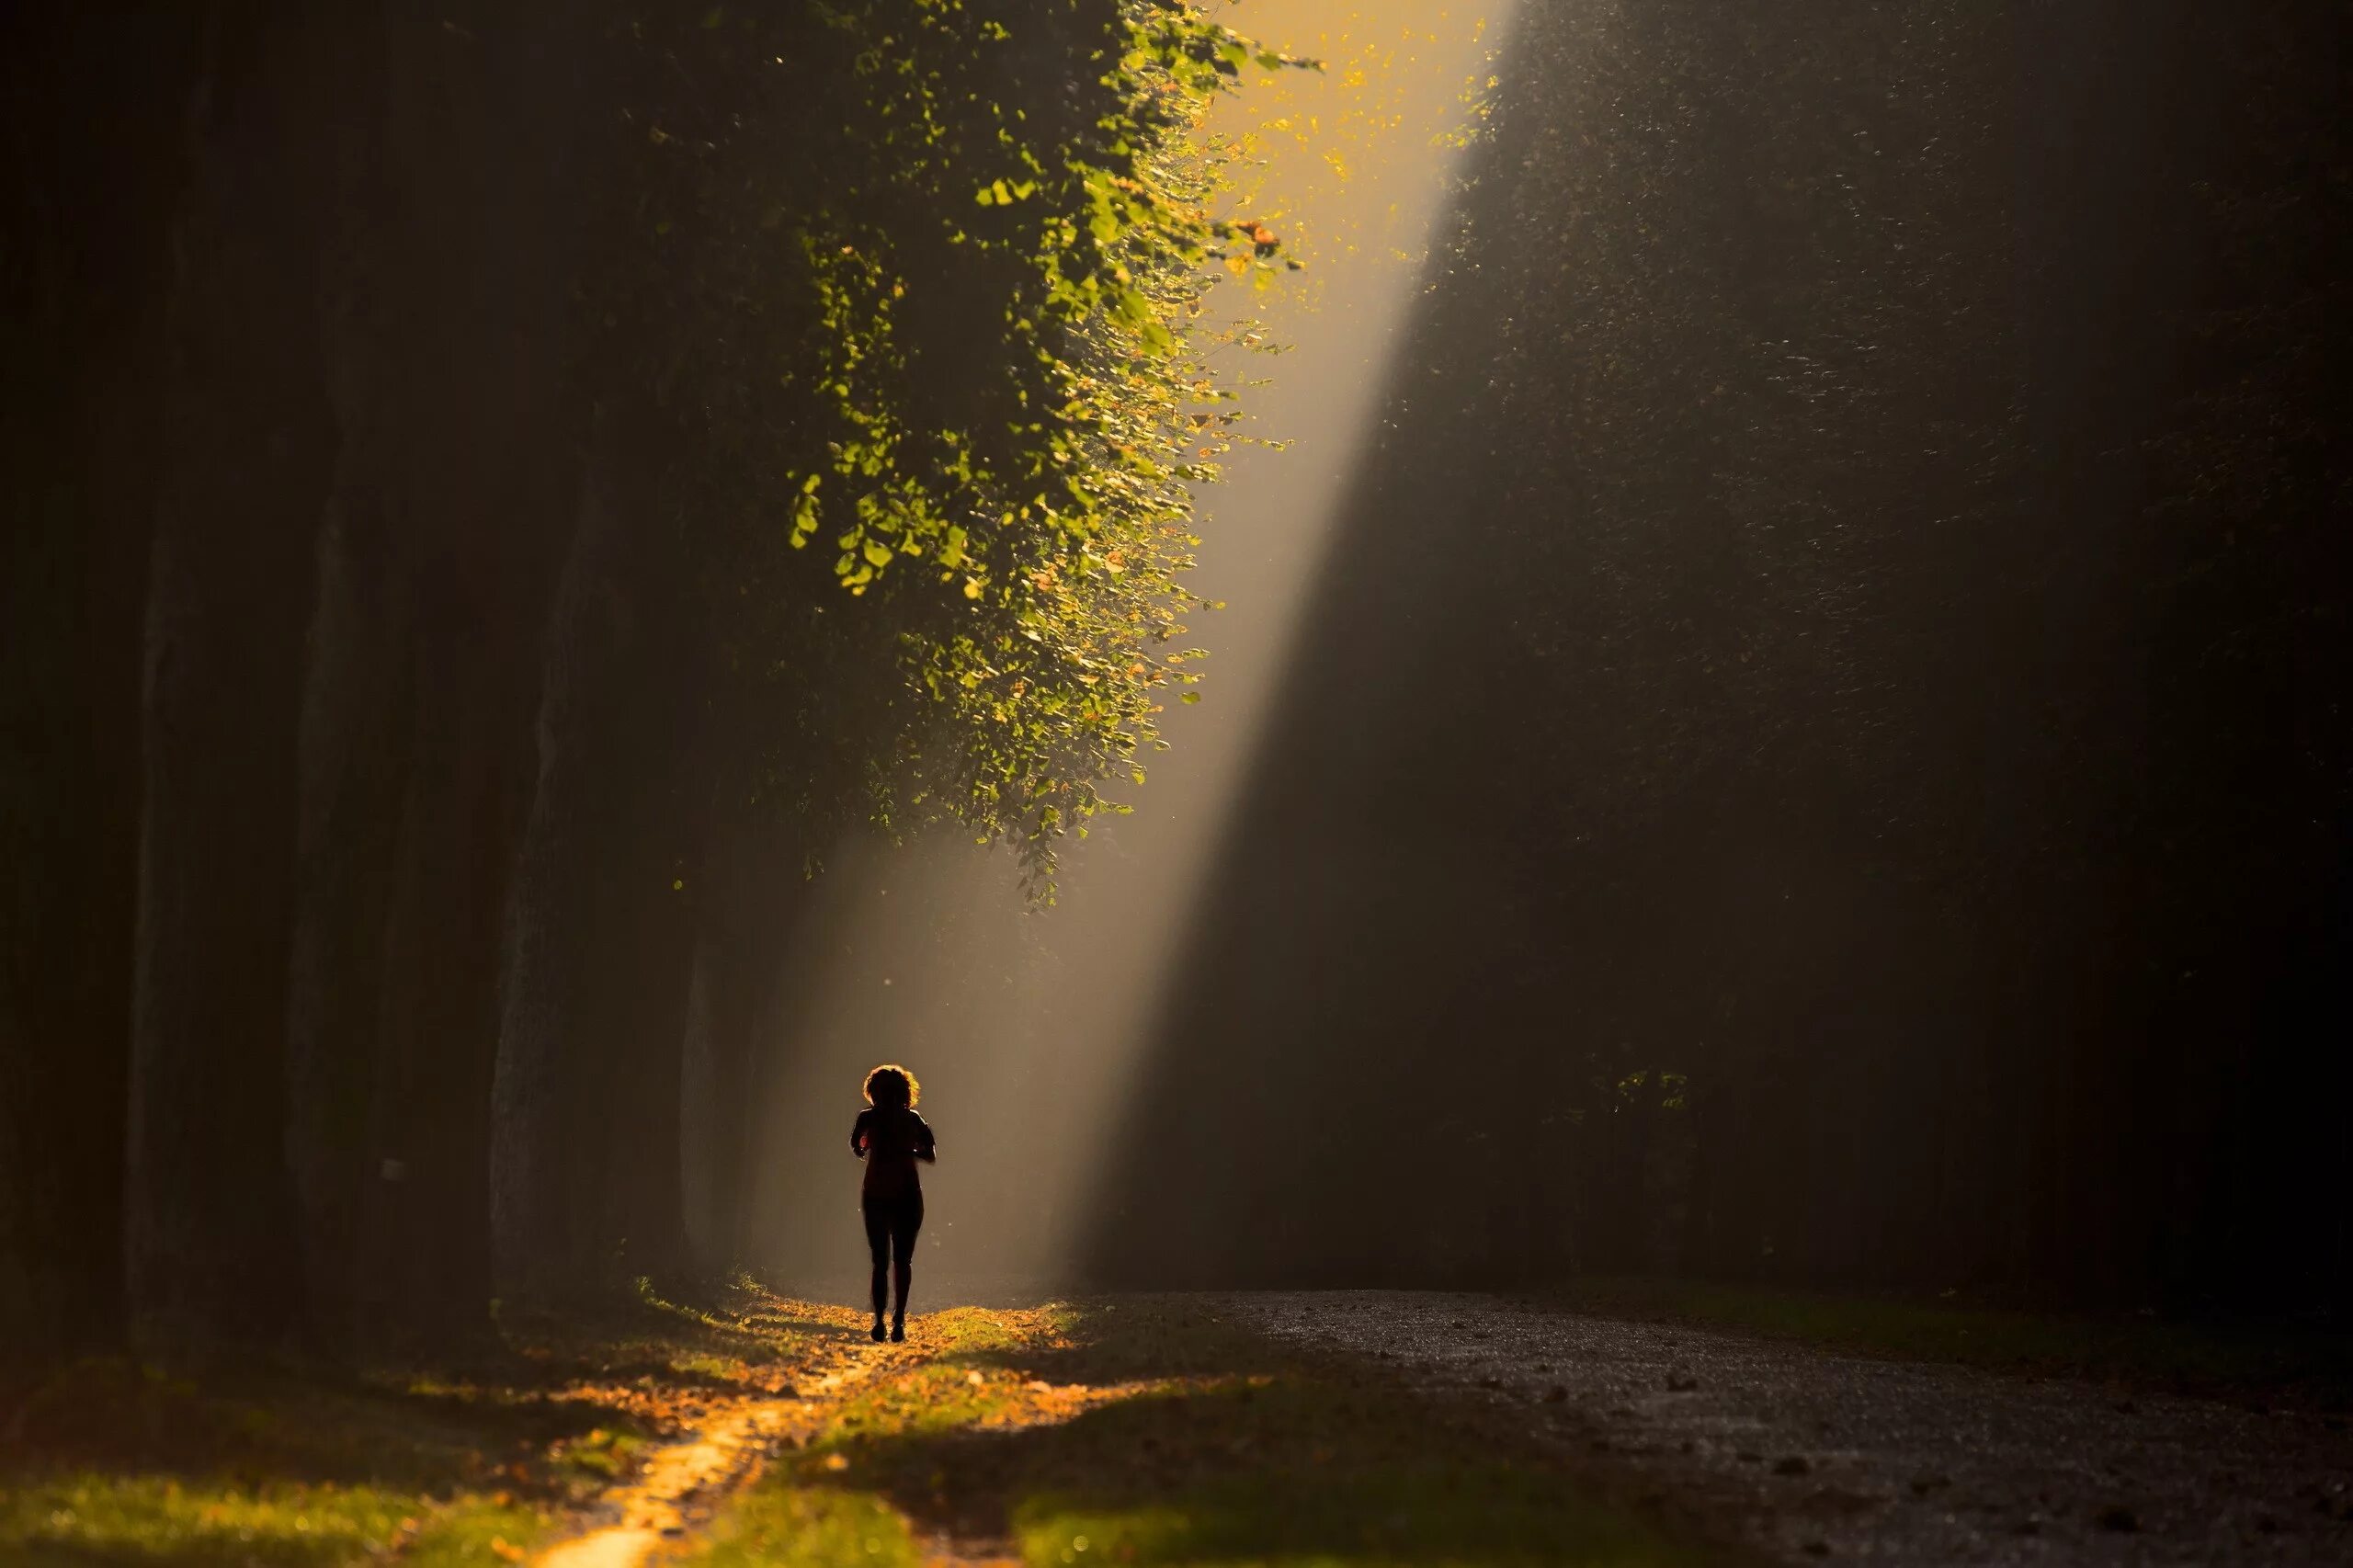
(891, 1138)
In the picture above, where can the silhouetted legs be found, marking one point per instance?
(891, 1223)
(902, 1268)
(878, 1243)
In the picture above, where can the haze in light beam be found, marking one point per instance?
(1029, 1031)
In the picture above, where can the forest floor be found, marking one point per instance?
(1139, 1431)
(1828, 1427)
(1327, 1428)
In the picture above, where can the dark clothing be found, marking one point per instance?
(890, 1227)
(891, 1139)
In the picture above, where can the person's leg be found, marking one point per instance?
(878, 1246)
(902, 1258)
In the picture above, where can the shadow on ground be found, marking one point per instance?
(468, 1460)
(1149, 1430)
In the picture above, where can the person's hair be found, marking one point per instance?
(892, 1084)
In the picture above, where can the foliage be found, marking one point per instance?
(915, 282)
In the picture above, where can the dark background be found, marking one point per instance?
(1821, 754)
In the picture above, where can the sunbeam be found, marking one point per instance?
(912, 953)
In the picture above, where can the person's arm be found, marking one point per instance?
(861, 1132)
(927, 1148)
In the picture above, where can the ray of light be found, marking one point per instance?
(1030, 1032)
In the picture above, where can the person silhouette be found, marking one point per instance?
(890, 1137)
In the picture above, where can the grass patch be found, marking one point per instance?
(813, 1526)
(1431, 1514)
(74, 1521)
(1148, 1432)
(107, 1461)
(2219, 1357)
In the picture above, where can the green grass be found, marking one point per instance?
(1147, 1432)
(808, 1526)
(1431, 1514)
(105, 1461)
(77, 1520)
(2221, 1357)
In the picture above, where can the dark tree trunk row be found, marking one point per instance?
(96, 153)
(353, 743)
(250, 445)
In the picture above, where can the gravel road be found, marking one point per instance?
(1810, 1454)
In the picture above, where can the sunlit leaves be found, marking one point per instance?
(975, 287)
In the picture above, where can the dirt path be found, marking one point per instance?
(675, 1492)
(1810, 1454)
(831, 1377)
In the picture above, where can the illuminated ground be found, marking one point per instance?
(1136, 1430)
(1328, 1428)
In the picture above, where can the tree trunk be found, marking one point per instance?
(490, 153)
(639, 1140)
(426, 1259)
(353, 753)
(92, 160)
(754, 887)
(352, 768)
(669, 757)
(715, 1096)
(707, 1117)
(249, 446)
(541, 1244)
